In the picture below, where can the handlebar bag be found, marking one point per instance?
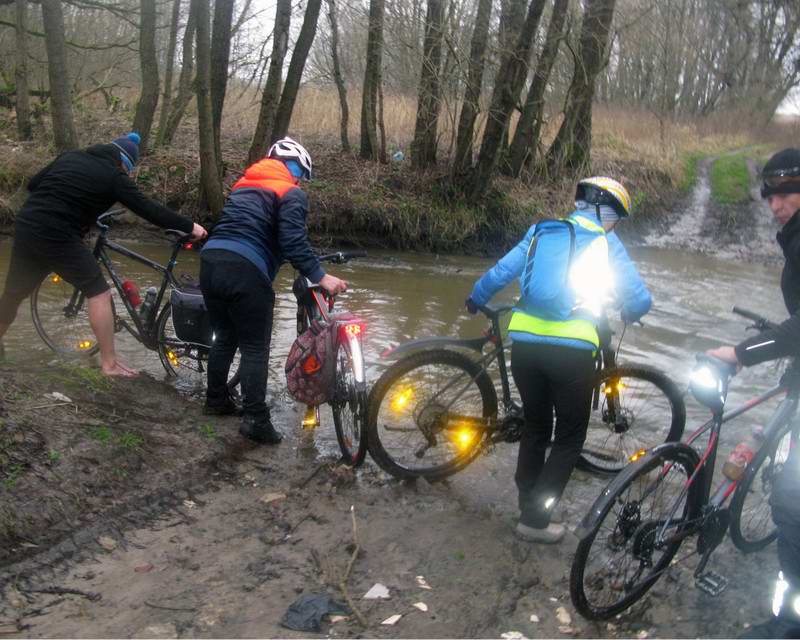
(311, 364)
(190, 316)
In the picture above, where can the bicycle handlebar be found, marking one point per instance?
(760, 322)
(342, 257)
(100, 222)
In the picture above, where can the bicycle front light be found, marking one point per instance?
(709, 387)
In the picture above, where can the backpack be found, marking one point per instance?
(190, 316)
(558, 253)
(311, 364)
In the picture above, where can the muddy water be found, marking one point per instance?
(403, 295)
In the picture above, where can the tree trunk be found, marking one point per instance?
(22, 106)
(514, 70)
(295, 73)
(472, 92)
(337, 76)
(272, 89)
(571, 150)
(166, 98)
(60, 98)
(423, 147)
(220, 58)
(148, 63)
(526, 137)
(370, 149)
(210, 181)
(185, 84)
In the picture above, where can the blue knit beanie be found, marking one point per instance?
(129, 149)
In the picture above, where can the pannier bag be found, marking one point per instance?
(311, 364)
(190, 317)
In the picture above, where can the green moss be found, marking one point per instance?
(689, 172)
(730, 180)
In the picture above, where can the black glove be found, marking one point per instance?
(472, 308)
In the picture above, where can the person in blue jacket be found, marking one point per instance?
(568, 270)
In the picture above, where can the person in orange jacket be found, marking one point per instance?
(262, 225)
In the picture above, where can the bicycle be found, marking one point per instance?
(60, 313)
(634, 529)
(349, 401)
(435, 410)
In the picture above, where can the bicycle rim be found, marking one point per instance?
(61, 317)
(752, 527)
(633, 540)
(349, 409)
(430, 414)
(638, 408)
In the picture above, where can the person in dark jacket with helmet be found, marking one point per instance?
(66, 198)
(263, 224)
(781, 188)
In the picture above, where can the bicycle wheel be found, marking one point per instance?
(633, 538)
(634, 408)
(182, 360)
(61, 316)
(349, 409)
(429, 415)
(752, 527)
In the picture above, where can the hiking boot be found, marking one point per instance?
(551, 534)
(260, 430)
(228, 408)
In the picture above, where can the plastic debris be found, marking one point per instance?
(421, 606)
(534, 618)
(398, 156)
(306, 613)
(107, 542)
(377, 592)
(553, 599)
(422, 583)
(392, 619)
(272, 497)
(563, 616)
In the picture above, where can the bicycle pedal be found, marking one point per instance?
(711, 582)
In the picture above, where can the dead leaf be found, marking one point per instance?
(513, 635)
(392, 619)
(422, 583)
(534, 618)
(189, 504)
(642, 634)
(272, 497)
(566, 629)
(59, 397)
(421, 606)
(378, 591)
(145, 568)
(107, 542)
(335, 619)
(563, 616)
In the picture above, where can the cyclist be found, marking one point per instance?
(262, 225)
(566, 270)
(65, 199)
(781, 187)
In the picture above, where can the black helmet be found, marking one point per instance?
(781, 174)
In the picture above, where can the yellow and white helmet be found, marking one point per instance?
(601, 190)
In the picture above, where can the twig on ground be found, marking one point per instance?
(89, 595)
(343, 582)
(312, 476)
(158, 606)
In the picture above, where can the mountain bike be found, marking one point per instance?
(435, 410)
(60, 311)
(349, 401)
(634, 529)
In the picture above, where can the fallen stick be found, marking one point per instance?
(311, 477)
(158, 606)
(89, 595)
(343, 582)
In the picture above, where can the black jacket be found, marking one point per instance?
(70, 193)
(785, 339)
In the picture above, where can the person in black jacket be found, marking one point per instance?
(262, 225)
(781, 188)
(66, 198)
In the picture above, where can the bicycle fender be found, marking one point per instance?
(592, 519)
(437, 342)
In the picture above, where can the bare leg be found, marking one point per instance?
(101, 317)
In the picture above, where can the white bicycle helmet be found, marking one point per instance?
(289, 149)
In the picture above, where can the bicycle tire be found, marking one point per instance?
(647, 397)
(631, 533)
(456, 456)
(349, 409)
(767, 452)
(75, 333)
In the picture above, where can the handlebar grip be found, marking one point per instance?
(748, 314)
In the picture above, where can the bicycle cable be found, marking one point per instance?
(619, 344)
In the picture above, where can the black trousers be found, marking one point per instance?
(785, 501)
(550, 377)
(240, 304)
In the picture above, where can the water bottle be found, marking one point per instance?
(742, 454)
(132, 293)
(147, 306)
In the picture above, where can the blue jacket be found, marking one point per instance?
(264, 220)
(631, 290)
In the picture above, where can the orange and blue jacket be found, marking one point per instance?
(264, 221)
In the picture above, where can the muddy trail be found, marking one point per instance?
(126, 513)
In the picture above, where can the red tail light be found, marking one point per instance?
(188, 245)
(353, 329)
